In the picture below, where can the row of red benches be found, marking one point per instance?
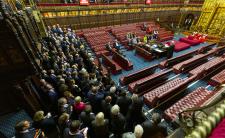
(143, 53)
(114, 67)
(148, 82)
(117, 62)
(218, 79)
(124, 80)
(165, 91)
(208, 67)
(172, 61)
(194, 99)
(97, 41)
(194, 61)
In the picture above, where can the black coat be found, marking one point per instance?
(101, 131)
(124, 102)
(118, 124)
(135, 115)
(87, 119)
(106, 109)
(152, 131)
(49, 127)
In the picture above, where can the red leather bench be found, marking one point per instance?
(196, 60)
(114, 67)
(208, 67)
(193, 99)
(172, 61)
(165, 91)
(123, 62)
(148, 82)
(218, 79)
(124, 80)
(192, 42)
(143, 53)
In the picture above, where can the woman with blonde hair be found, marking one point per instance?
(45, 123)
(100, 126)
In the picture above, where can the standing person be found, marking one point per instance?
(100, 126)
(74, 131)
(124, 102)
(46, 123)
(117, 121)
(23, 130)
(159, 130)
(170, 50)
(106, 106)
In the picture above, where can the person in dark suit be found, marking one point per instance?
(106, 106)
(148, 129)
(46, 123)
(74, 131)
(135, 115)
(63, 122)
(100, 126)
(170, 50)
(124, 102)
(23, 130)
(117, 121)
(160, 131)
(87, 116)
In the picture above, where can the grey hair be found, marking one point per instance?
(99, 119)
(138, 131)
(115, 109)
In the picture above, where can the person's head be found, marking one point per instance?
(68, 94)
(62, 101)
(156, 118)
(63, 118)
(134, 98)
(115, 110)
(75, 125)
(100, 119)
(77, 99)
(38, 116)
(88, 109)
(94, 89)
(112, 89)
(108, 99)
(138, 131)
(22, 125)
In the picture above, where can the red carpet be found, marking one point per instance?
(219, 131)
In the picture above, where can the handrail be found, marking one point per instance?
(195, 109)
(114, 3)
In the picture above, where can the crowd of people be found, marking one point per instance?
(80, 101)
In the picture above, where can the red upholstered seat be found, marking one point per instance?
(218, 79)
(196, 60)
(122, 61)
(193, 99)
(114, 67)
(163, 92)
(179, 46)
(208, 67)
(189, 41)
(148, 82)
(143, 53)
(124, 80)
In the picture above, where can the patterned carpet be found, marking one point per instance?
(7, 122)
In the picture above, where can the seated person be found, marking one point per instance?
(117, 45)
(23, 130)
(134, 41)
(145, 39)
(108, 47)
